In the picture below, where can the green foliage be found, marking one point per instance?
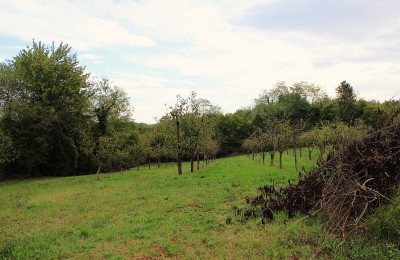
(52, 116)
(6, 148)
(43, 106)
(346, 99)
(109, 102)
(232, 130)
(187, 130)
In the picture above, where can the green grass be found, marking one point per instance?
(156, 213)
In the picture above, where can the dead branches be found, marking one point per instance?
(358, 177)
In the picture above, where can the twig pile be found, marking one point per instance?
(357, 178)
(364, 174)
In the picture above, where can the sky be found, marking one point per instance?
(227, 51)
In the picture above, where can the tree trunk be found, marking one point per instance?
(198, 161)
(321, 152)
(98, 171)
(309, 154)
(158, 162)
(272, 158)
(178, 159)
(263, 157)
(149, 163)
(191, 163)
(301, 154)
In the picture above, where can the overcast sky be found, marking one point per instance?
(227, 51)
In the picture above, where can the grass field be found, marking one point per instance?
(157, 214)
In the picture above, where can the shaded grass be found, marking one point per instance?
(154, 213)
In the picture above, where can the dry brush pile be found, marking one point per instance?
(359, 177)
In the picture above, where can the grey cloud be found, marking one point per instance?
(351, 20)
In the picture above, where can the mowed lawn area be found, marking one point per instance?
(155, 214)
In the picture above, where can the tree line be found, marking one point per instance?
(303, 116)
(55, 119)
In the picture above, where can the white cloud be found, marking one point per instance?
(91, 57)
(158, 49)
(80, 24)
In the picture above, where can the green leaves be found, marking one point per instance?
(43, 108)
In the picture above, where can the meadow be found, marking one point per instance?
(155, 213)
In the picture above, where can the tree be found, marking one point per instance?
(232, 130)
(113, 128)
(44, 101)
(7, 152)
(273, 95)
(105, 148)
(325, 137)
(177, 112)
(166, 131)
(108, 102)
(282, 138)
(191, 130)
(309, 140)
(126, 138)
(346, 99)
(250, 145)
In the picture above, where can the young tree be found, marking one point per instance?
(282, 138)
(250, 145)
(309, 139)
(177, 112)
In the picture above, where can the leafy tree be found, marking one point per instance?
(108, 102)
(274, 95)
(295, 130)
(43, 107)
(177, 112)
(250, 145)
(232, 130)
(282, 138)
(127, 138)
(346, 99)
(195, 121)
(7, 151)
(105, 148)
(324, 136)
(166, 129)
(191, 130)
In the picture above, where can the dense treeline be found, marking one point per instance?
(57, 120)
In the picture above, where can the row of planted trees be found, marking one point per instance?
(297, 117)
(283, 136)
(187, 131)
